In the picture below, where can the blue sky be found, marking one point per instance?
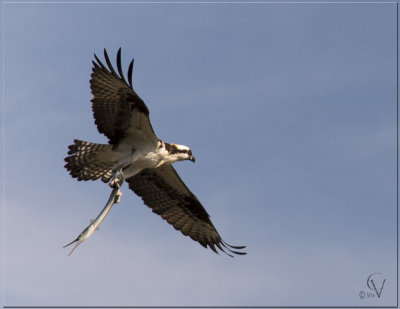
(290, 110)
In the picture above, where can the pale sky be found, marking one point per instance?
(290, 111)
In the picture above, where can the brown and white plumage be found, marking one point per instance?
(165, 193)
(122, 116)
(115, 104)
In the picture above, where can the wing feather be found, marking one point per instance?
(130, 70)
(165, 193)
(119, 66)
(116, 106)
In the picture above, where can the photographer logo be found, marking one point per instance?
(375, 284)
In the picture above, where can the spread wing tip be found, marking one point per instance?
(230, 249)
(227, 249)
(109, 68)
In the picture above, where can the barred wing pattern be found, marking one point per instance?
(115, 103)
(165, 193)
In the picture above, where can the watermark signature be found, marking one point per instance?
(375, 283)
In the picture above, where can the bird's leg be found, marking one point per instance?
(116, 179)
(114, 198)
(116, 182)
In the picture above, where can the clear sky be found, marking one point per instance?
(290, 111)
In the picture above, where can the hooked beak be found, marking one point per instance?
(191, 158)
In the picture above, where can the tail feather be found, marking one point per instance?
(86, 161)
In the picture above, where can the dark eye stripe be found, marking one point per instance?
(172, 149)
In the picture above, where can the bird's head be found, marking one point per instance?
(180, 152)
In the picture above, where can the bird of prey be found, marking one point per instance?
(146, 161)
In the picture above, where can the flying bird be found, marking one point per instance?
(145, 160)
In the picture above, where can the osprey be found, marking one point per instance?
(146, 161)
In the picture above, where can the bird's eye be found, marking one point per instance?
(189, 152)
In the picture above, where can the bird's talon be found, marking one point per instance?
(117, 197)
(115, 182)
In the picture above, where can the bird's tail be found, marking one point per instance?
(89, 161)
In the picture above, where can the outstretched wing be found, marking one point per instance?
(117, 109)
(165, 193)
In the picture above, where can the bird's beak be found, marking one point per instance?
(191, 158)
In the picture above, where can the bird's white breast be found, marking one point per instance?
(136, 153)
